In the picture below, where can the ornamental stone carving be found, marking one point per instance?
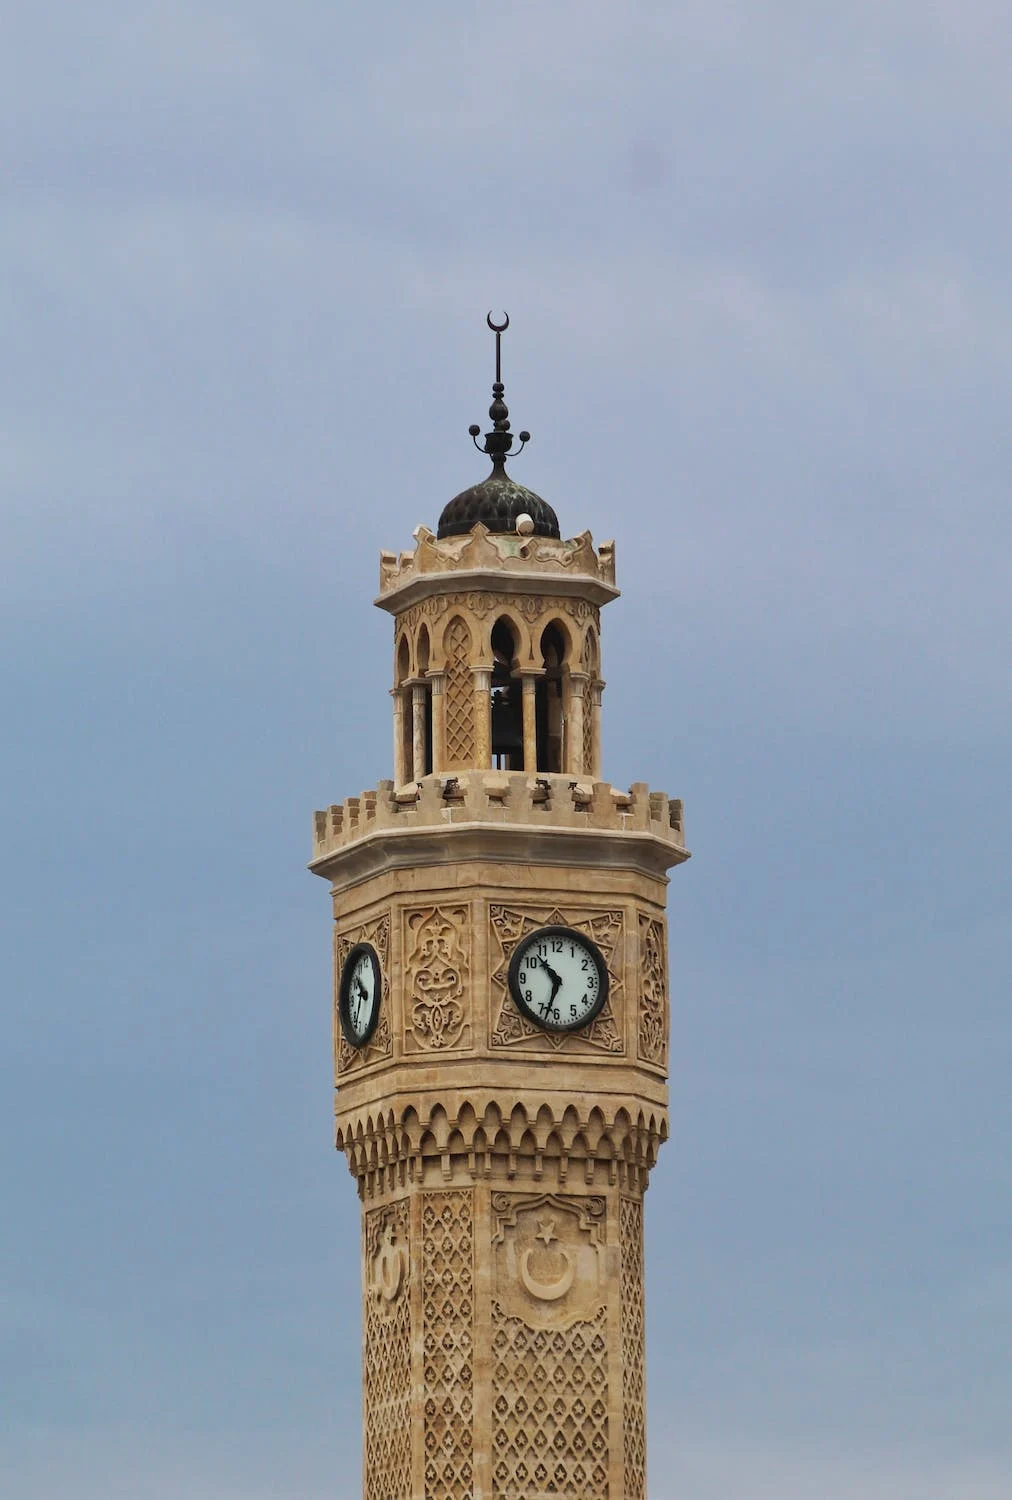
(634, 1403)
(437, 970)
(653, 1013)
(549, 1409)
(448, 1343)
(387, 1363)
(508, 924)
(548, 1257)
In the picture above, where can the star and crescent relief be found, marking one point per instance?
(548, 1256)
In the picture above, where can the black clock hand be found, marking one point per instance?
(556, 982)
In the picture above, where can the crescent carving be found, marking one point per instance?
(390, 1268)
(547, 1291)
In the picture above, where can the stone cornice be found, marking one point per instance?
(469, 815)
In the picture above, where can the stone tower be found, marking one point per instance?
(501, 1021)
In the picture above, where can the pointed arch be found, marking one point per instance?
(555, 646)
(506, 698)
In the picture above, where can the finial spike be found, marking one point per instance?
(499, 441)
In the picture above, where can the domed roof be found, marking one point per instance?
(497, 502)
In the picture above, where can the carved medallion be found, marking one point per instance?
(508, 1027)
(389, 1266)
(437, 968)
(548, 1254)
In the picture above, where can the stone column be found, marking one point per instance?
(437, 681)
(530, 688)
(574, 726)
(596, 688)
(418, 726)
(402, 770)
(483, 718)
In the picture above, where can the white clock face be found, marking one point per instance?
(360, 994)
(558, 978)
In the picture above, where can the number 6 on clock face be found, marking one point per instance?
(558, 978)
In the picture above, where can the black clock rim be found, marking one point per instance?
(516, 959)
(351, 1036)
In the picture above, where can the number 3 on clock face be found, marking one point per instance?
(558, 978)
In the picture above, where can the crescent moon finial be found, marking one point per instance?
(498, 327)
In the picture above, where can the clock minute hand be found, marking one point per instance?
(556, 982)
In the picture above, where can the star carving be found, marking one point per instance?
(546, 1231)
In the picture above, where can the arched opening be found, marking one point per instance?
(425, 689)
(549, 715)
(507, 702)
(403, 767)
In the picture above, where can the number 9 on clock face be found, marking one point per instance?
(558, 978)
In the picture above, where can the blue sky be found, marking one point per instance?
(756, 260)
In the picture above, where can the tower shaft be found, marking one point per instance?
(501, 1150)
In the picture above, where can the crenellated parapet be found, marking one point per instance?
(531, 1136)
(525, 563)
(503, 799)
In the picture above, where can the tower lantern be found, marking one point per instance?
(500, 1020)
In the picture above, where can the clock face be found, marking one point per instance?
(558, 978)
(359, 994)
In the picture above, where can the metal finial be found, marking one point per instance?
(499, 441)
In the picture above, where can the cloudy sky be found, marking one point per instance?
(756, 259)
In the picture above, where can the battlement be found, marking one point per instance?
(511, 798)
(536, 562)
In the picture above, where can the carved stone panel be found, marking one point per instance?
(508, 1027)
(548, 1257)
(459, 693)
(634, 1408)
(377, 932)
(387, 1357)
(549, 1348)
(437, 972)
(653, 1016)
(448, 1343)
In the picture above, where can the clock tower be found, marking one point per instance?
(500, 1019)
